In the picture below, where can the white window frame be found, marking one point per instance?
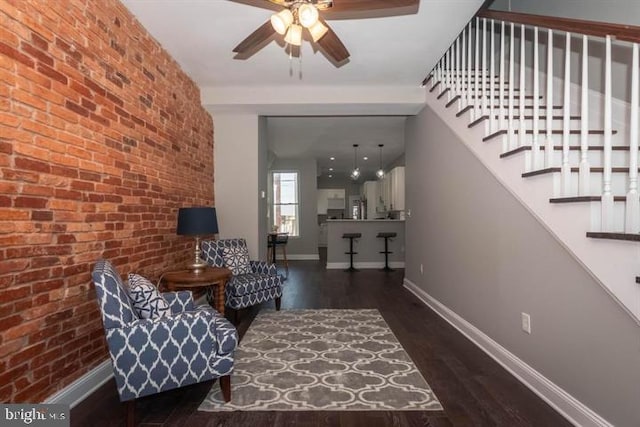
(272, 204)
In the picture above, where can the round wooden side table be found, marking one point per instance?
(210, 276)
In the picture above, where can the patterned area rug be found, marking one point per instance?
(329, 360)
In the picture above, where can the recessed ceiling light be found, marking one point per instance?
(330, 176)
(331, 169)
(365, 158)
(332, 158)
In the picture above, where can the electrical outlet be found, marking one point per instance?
(421, 269)
(526, 323)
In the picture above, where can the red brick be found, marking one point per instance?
(30, 202)
(50, 72)
(36, 53)
(13, 53)
(32, 165)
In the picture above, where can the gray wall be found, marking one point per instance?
(307, 243)
(488, 259)
(263, 226)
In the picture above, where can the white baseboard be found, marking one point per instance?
(81, 388)
(568, 406)
(299, 257)
(363, 265)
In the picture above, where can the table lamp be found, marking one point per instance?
(197, 221)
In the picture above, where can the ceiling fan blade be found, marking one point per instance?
(255, 39)
(274, 5)
(332, 45)
(366, 5)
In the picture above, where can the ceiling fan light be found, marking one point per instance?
(318, 30)
(281, 21)
(294, 35)
(307, 15)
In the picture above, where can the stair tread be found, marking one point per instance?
(577, 199)
(444, 91)
(554, 169)
(614, 236)
(542, 132)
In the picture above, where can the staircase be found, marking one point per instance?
(566, 150)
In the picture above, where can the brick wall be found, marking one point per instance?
(102, 138)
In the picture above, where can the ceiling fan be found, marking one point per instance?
(298, 16)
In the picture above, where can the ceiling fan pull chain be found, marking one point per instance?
(300, 64)
(290, 59)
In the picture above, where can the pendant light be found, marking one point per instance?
(355, 173)
(380, 171)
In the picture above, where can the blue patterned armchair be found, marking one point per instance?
(187, 345)
(258, 283)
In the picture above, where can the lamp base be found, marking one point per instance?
(197, 267)
(198, 264)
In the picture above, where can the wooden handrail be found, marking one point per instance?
(629, 33)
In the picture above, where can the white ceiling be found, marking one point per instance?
(390, 56)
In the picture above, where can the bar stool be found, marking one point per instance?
(351, 236)
(386, 252)
(274, 241)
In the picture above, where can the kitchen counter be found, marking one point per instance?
(368, 247)
(365, 220)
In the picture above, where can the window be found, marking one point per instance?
(285, 215)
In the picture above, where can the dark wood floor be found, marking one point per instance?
(473, 389)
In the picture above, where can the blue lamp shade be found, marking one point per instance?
(197, 221)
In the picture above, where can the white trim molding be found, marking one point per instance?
(364, 265)
(568, 406)
(81, 388)
(299, 257)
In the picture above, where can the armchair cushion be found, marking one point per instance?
(115, 305)
(236, 259)
(145, 298)
(179, 301)
(263, 267)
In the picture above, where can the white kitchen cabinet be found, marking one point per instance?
(391, 191)
(397, 188)
(330, 198)
(370, 194)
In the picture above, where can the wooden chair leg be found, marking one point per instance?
(130, 407)
(286, 263)
(225, 387)
(278, 301)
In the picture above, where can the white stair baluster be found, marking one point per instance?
(510, 130)
(502, 93)
(456, 64)
(607, 196)
(566, 167)
(469, 89)
(476, 78)
(522, 134)
(449, 73)
(632, 220)
(584, 168)
(492, 81)
(535, 145)
(463, 70)
(485, 97)
(548, 149)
